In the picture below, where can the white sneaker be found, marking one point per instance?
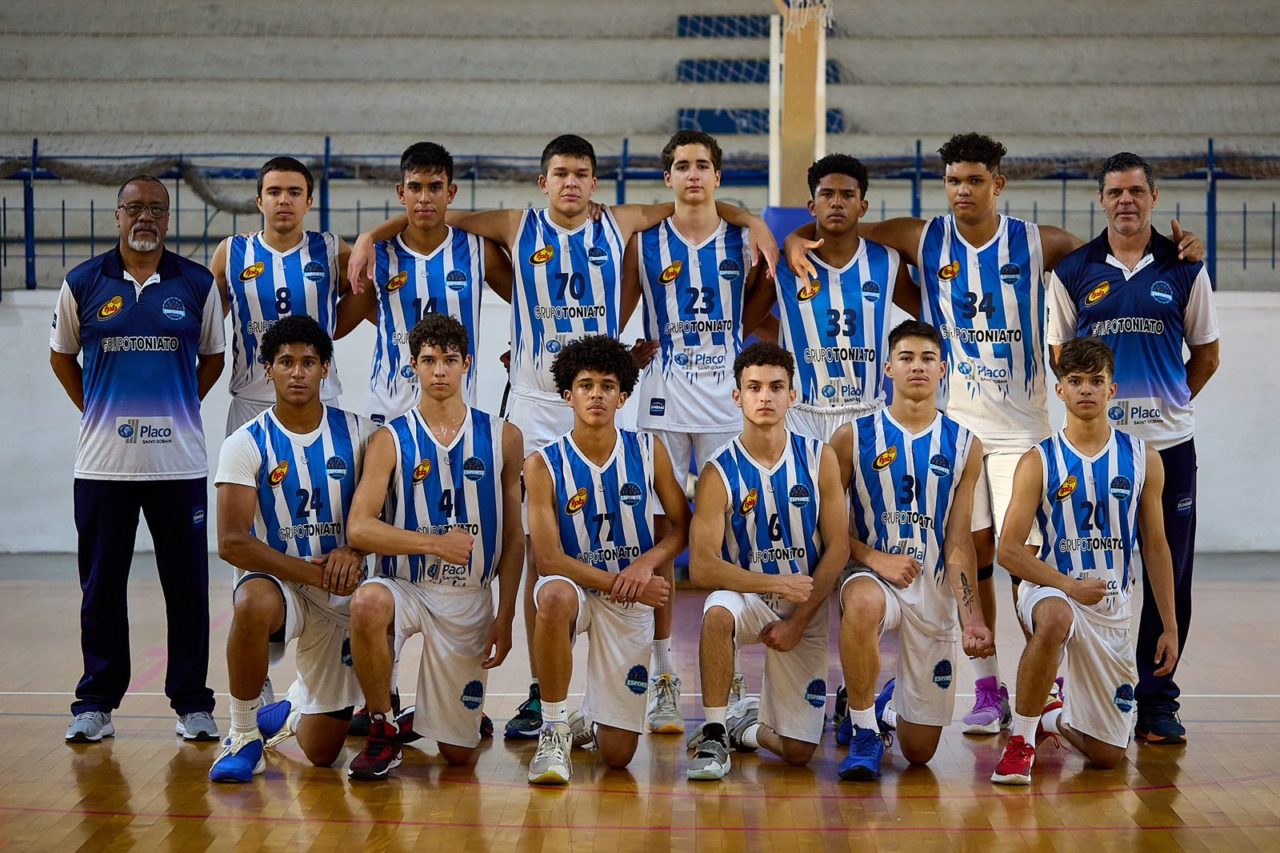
(584, 731)
(90, 727)
(711, 762)
(198, 725)
(663, 713)
(551, 764)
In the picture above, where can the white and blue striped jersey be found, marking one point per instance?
(450, 281)
(772, 524)
(304, 483)
(838, 328)
(263, 286)
(568, 284)
(693, 296)
(988, 303)
(604, 514)
(903, 490)
(1088, 517)
(436, 487)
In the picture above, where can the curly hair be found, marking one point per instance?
(763, 354)
(441, 331)
(973, 148)
(597, 353)
(296, 329)
(837, 164)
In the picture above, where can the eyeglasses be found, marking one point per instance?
(134, 210)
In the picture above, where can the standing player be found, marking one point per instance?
(769, 536)
(568, 284)
(837, 322)
(445, 477)
(1094, 492)
(282, 270)
(911, 473)
(1128, 288)
(982, 282)
(285, 483)
(593, 495)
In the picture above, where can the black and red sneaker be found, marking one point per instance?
(381, 753)
(359, 726)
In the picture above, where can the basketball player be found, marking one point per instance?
(911, 475)
(593, 495)
(439, 504)
(282, 270)
(1094, 492)
(770, 537)
(568, 284)
(285, 483)
(982, 282)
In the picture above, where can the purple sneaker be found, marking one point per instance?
(991, 710)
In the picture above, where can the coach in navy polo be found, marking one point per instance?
(1130, 288)
(149, 325)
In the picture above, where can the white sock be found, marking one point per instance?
(1025, 727)
(244, 714)
(986, 668)
(751, 737)
(1051, 721)
(716, 715)
(533, 682)
(662, 662)
(555, 712)
(864, 719)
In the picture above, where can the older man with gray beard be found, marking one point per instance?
(149, 325)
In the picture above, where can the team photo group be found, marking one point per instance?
(860, 416)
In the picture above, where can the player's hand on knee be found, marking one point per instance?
(453, 546)
(343, 570)
(629, 583)
(977, 641)
(794, 588)
(783, 635)
(897, 569)
(1088, 590)
(1167, 652)
(656, 592)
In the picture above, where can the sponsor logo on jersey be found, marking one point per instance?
(949, 272)
(474, 468)
(816, 693)
(799, 495)
(553, 346)
(940, 465)
(252, 271)
(396, 282)
(336, 467)
(1121, 488)
(729, 269)
(629, 494)
(1010, 273)
(671, 273)
(173, 308)
(871, 291)
(681, 358)
(749, 502)
(422, 471)
(884, 460)
(145, 430)
(1067, 489)
(810, 290)
(942, 674)
(638, 679)
(1124, 698)
(406, 371)
(128, 431)
(1098, 293)
(456, 280)
(278, 473)
(197, 518)
(472, 695)
(1162, 292)
(111, 308)
(1135, 412)
(828, 391)
(658, 406)
(577, 502)
(313, 271)
(597, 256)
(543, 255)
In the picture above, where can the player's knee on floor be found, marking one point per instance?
(797, 753)
(323, 735)
(372, 606)
(457, 756)
(918, 743)
(1104, 756)
(616, 746)
(1052, 620)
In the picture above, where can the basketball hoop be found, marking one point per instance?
(799, 15)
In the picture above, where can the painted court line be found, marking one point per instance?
(579, 695)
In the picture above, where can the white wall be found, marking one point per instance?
(1236, 416)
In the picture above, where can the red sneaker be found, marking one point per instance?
(381, 753)
(1015, 765)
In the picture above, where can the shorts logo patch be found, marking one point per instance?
(173, 308)
(638, 680)
(1067, 489)
(729, 269)
(749, 502)
(313, 271)
(396, 282)
(336, 467)
(1124, 698)
(197, 518)
(942, 674)
(577, 502)
(473, 469)
(346, 653)
(671, 273)
(940, 465)
(1098, 294)
(421, 472)
(949, 272)
(816, 693)
(810, 290)
(456, 280)
(597, 256)
(884, 460)
(1010, 273)
(630, 494)
(277, 475)
(378, 418)
(1162, 292)
(111, 308)
(1185, 504)
(253, 271)
(473, 695)
(799, 495)
(658, 406)
(871, 291)
(1121, 488)
(543, 255)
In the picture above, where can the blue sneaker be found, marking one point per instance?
(866, 750)
(882, 702)
(844, 725)
(241, 759)
(275, 723)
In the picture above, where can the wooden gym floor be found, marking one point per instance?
(147, 789)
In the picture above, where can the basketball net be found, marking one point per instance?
(799, 15)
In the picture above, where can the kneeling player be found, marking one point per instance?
(593, 495)
(285, 484)
(446, 479)
(769, 535)
(1092, 491)
(912, 473)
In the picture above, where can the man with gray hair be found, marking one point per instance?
(149, 325)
